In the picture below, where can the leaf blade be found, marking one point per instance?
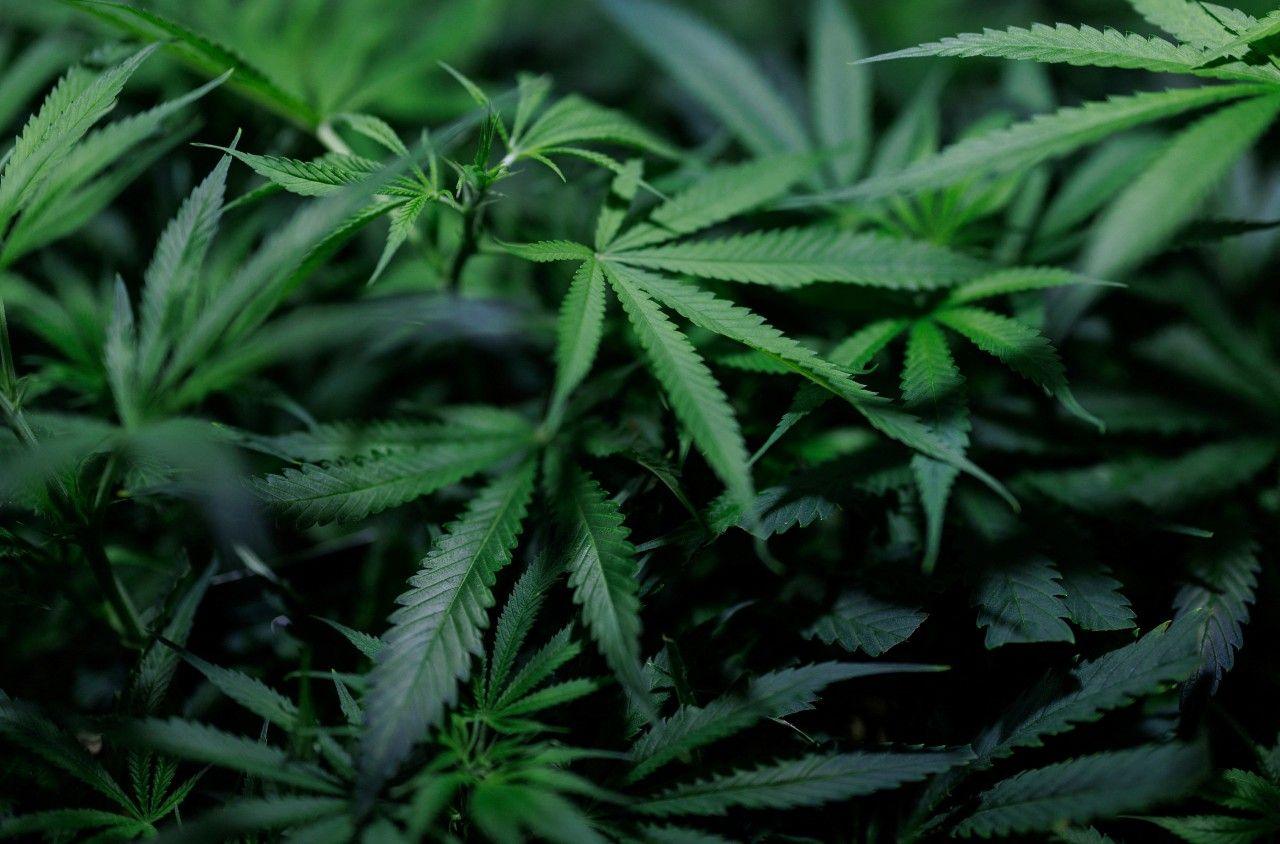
(436, 631)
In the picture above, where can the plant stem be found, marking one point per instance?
(330, 139)
(472, 214)
(112, 588)
(17, 423)
(90, 541)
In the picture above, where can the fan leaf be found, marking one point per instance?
(436, 631)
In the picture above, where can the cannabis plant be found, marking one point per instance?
(509, 421)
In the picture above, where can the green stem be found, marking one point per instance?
(134, 631)
(472, 214)
(17, 423)
(330, 139)
(91, 541)
(104, 483)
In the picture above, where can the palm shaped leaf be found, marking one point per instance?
(436, 631)
(699, 403)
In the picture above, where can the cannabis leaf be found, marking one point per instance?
(1213, 143)
(202, 743)
(1221, 586)
(603, 574)
(809, 781)
(707, 64)
(1077, 45)
(1102, 785)
(790, 258)
(1093, 598)
(861, 622)
(1023, 602)
(773, 695)
(436, 631)
(695, 395)
(1040, 139)
(346, 490)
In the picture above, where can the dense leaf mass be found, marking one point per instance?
(639, 421)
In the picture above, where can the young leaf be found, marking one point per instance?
(77, 190)
(436, 631)
(1161, 484)
(741, 325)
(859, 349)
(376, 130)
(550, 697)
(120, 356)
(573, 120)
(929, 373)
(78, 102)
(719, 195)
(612, 214)
(531, 92)
(1083, 835)
(241, 817)
(516, 620)
(931, 384)
(321, 177)
(240, 304)
(155, 669)
(502, 809)
(550, 250)
(404, 219)
(57, 823)
(329, 441)
(172, 274)
(913, 433)
(541, 664)
(363, 642)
